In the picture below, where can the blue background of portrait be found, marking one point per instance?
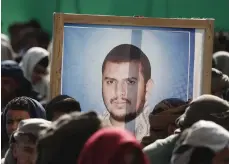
(170, 52)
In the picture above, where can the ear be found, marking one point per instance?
(14, 150)
(149, 85)
(148, 90)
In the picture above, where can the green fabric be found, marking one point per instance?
(23, 10)
(160, 152)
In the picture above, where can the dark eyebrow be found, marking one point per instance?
(109, 78)
(132, 78)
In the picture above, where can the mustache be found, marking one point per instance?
(123, 99)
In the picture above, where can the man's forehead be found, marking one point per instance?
(17, 112)
(131, 62)
(132, 67)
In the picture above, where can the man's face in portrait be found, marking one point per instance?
(123, 88)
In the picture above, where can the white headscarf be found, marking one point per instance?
(5, 38)
(201, 134)
(31, 58)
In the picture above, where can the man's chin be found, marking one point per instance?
(124, 117)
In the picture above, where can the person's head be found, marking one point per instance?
(40, 70)
(13, 82)
(126, 80)
(64, 139)
(205, 142)
(20, 35)
(219, 83)
(35, 63)
(16, 110)
(14, 34)
(205, 107)
(119, 146)
(221, 41)
(23, 140)
(34, 38)
(221, 59)
(61, 105)
(162, 119)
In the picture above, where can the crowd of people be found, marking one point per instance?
(37, 130)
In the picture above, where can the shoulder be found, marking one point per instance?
(161, 149)
(142, 125)
(161, 143)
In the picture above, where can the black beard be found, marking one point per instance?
(127, 118)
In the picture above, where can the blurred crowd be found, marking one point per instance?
(38, 130)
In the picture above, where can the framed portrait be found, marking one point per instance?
(121, 67)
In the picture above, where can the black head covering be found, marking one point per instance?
(35, 110)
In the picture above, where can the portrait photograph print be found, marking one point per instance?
(122, 69)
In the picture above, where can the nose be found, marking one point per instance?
(120, 90)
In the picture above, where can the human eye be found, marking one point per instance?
(131, 82)
(109, 82)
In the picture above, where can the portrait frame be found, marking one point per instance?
(60, 19)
